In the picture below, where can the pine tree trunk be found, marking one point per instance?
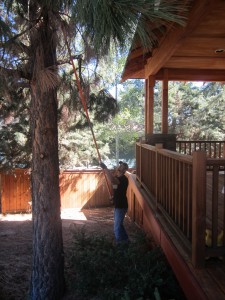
(47, 280)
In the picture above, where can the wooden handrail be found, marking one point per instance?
(176, 155)
(214, 149)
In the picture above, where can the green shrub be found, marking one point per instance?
(100, 270)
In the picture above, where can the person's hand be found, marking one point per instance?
(102, 165)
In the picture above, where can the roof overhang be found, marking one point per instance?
(195, 52)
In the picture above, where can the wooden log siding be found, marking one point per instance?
(214, 149)
(78, 189)
(189, 193)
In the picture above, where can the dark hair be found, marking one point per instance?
(124, 164)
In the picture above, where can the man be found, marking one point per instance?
(119, 183)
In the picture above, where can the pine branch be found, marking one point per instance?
(16, 45)
(13, 73)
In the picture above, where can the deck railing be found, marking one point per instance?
(188, 190)
(214, 149)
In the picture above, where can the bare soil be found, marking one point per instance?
(16, 244)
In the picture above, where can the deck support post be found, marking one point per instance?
(165, 102)
(198, 208)
(149, 104)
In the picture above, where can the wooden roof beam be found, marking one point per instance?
(190, 63)
(192, 75)
(136, 65)
(139, 74)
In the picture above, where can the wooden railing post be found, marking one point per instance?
(198, 208)
(140, 162)
(165, 102)
(157, 175)
(137, 158)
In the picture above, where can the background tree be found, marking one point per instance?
(212, 112)
(30, 54)
(127, 126)
(197, 112)
(183, 103)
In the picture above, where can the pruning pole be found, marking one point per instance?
(83, 101)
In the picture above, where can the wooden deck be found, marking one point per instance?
(215, 267)
(154, 203)
(204, 283)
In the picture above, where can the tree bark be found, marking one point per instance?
(47, 281)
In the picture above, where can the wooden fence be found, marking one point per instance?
(78, 189)
(83, 189)
(15, 191)
(188, 191)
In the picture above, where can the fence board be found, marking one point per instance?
(83, 189)
(15, 191)
(78, 189)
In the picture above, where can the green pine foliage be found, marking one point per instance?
(103, 106)
(75, 140)
(197, 112)
(121, 19)
(15, 146)
(74, 133)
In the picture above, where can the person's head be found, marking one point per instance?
(122, 168)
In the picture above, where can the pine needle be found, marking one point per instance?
(48, 79)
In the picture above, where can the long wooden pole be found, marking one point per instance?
(83, 101)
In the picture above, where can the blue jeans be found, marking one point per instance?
(119, 230)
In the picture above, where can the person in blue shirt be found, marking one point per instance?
(119, 183)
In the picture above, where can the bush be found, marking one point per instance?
(101, 270)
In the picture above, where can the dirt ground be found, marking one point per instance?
(16, 244)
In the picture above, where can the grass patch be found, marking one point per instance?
(97, 269)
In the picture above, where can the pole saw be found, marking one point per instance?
(84, 104)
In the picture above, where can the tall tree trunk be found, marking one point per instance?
(47, 280)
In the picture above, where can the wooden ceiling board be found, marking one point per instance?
(202, 47)
(213, 23)
(192, 47)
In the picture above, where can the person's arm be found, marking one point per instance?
(111, 178)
